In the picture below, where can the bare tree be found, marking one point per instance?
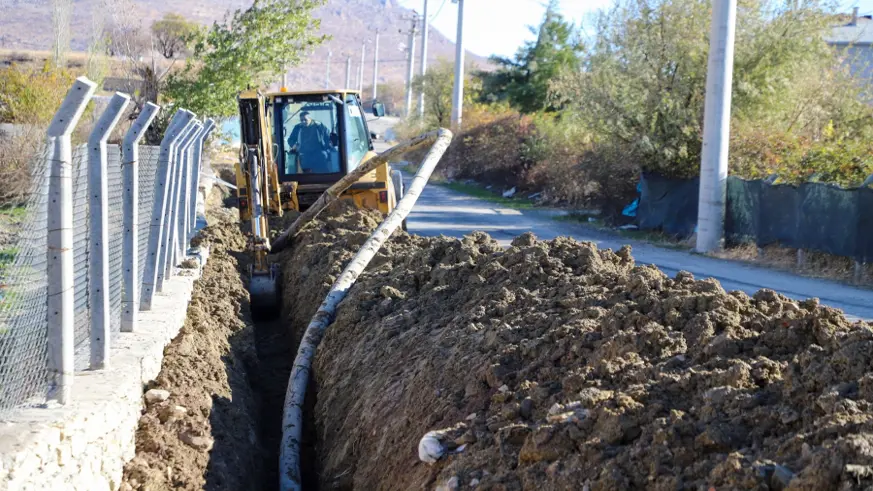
(62, 11)
(98, 48)
(148, 52)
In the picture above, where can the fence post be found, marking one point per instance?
(98, 259)
(168, 255)
(130, 200)
(179, 217)
(186, 190)
(150, 273)
(209, 126)
(59, 252)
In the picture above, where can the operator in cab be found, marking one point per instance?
(310, 146)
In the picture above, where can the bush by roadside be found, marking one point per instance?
(29, 98)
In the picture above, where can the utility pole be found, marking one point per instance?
(458, 93)
(423, 61)
(376, 68)
(716, 127)
(357, 77)
(327, 75)
(348, 73)
(285, 77)
(361, 77)
(411, 68)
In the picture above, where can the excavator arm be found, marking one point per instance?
(258, 185)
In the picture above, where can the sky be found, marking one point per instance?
(500, 26)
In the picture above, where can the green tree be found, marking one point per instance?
(249, 48)
(438, 86)
(172, 34)
(524, 80)
(643, 86)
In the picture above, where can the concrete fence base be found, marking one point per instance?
(84, 445)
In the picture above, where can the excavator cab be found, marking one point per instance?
(294, 146)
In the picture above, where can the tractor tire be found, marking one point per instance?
(397, 180)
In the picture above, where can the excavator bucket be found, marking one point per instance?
(264, 293)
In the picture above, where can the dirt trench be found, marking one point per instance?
(554, 365)
(225, 378)
(550, 365)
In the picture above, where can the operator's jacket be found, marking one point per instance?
(313, 143)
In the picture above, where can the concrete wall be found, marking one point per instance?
(84, 446)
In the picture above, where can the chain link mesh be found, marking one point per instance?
(23, 291)
(23, 280)
(115, 186)
(148, 167)
(81, 251)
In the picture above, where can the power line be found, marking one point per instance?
(440, 9)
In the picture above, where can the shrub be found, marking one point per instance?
(572, 169)
(758, 153)
(491, 152)
(643, 87)
(31, 96)
(17, 154)
(28, 99)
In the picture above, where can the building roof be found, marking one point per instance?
(858, 33)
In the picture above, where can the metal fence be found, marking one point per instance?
(82, 307)
(23, 289)
(89, 244)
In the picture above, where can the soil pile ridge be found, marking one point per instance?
(555, 365)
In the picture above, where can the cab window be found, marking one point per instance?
(306, 133)
(357, 143)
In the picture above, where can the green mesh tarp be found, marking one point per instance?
(668, 205)
(812, 216)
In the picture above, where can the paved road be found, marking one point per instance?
(442, 211)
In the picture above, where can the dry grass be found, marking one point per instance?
(815, 264)
(77, 61)
(17, 157)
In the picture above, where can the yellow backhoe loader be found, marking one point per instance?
(293, 146)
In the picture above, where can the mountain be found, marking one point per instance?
(27, 25)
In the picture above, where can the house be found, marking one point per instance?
(854, 40)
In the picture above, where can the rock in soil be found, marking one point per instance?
(657, 382)
(156, 395)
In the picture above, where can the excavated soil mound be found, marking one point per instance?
(200, 428)
(555, 365)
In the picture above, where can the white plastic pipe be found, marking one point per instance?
(292, 419)
(98, 257)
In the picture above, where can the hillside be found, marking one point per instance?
(26, 25)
